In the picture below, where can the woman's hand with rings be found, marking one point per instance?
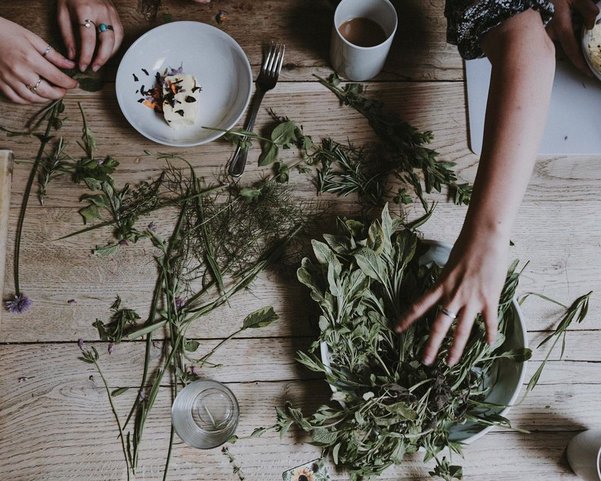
(470, 283)
(29, 67)
(97, 26)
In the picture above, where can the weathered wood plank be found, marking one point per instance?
(6, 171)
(419, 52)
(25, 367)
(66, 432)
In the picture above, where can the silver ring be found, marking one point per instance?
(87, 23)
(446, 312)
(46, 51)
(34, 88)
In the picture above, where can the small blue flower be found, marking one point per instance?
(19, 304)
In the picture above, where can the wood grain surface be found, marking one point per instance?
(55, 420)
(6, 172)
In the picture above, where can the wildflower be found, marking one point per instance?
(18, 304)
(110, 348)
(303, 474)
(152, 227)
(80, 343)
(179, 303)
(221, 17)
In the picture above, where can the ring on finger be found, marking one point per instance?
(34, 88)
(104, 27)
(87, 23)
(443, 310)
(46, 51)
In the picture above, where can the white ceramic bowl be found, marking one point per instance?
(509, 376)
(219, 64)
(586, 40)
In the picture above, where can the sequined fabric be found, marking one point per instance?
(469, 20)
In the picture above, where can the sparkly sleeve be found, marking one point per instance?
(469, 20)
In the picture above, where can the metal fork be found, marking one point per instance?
(267, 79)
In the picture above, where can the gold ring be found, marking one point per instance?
(46, 51)
(446, 312)
(34, 88)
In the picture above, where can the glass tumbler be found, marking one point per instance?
(205, 414)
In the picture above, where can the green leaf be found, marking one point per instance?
(260, 318)
(269, 154)
(89, 213)
(118, 391)
(105, 251)
(191, 345)
(371, 264)
(250, 194)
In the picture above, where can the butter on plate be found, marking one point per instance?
(180, 99)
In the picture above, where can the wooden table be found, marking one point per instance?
(55, 422)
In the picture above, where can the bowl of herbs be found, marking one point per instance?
(386, 403)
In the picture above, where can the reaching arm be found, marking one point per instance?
(523, 64)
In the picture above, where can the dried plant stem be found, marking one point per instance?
(54, 110)
(116, 416)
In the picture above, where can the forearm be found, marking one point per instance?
(523, 64)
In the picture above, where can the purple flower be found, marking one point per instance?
(80, 343)
(152, 227)
(194, 371)
(179, 303)
(18, 304)
(123, 242)
(110, 348)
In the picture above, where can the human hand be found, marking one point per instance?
(561, 28)
(470, 283)
(29, 67)
(97, 22)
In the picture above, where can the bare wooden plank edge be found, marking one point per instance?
(6, 171)
(24, 368)
(57, 435)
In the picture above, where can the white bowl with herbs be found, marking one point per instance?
(386, 403)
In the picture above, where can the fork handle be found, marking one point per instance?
(238, 162)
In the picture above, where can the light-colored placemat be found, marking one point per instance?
(574, 122)
(6, 173)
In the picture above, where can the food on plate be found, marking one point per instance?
(175, 95)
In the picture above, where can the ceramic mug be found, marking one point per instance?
(584, 455)
(352, 61)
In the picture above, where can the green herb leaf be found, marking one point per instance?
(262, 317)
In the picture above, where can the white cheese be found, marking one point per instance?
(180, 99)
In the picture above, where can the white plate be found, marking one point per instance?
(219, 64)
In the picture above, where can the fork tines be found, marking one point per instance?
(273, 59)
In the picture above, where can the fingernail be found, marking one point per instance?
(71, 53)
(83, 68)
(398, 329)
(451, 361)
(95, 68)
(427, 360)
